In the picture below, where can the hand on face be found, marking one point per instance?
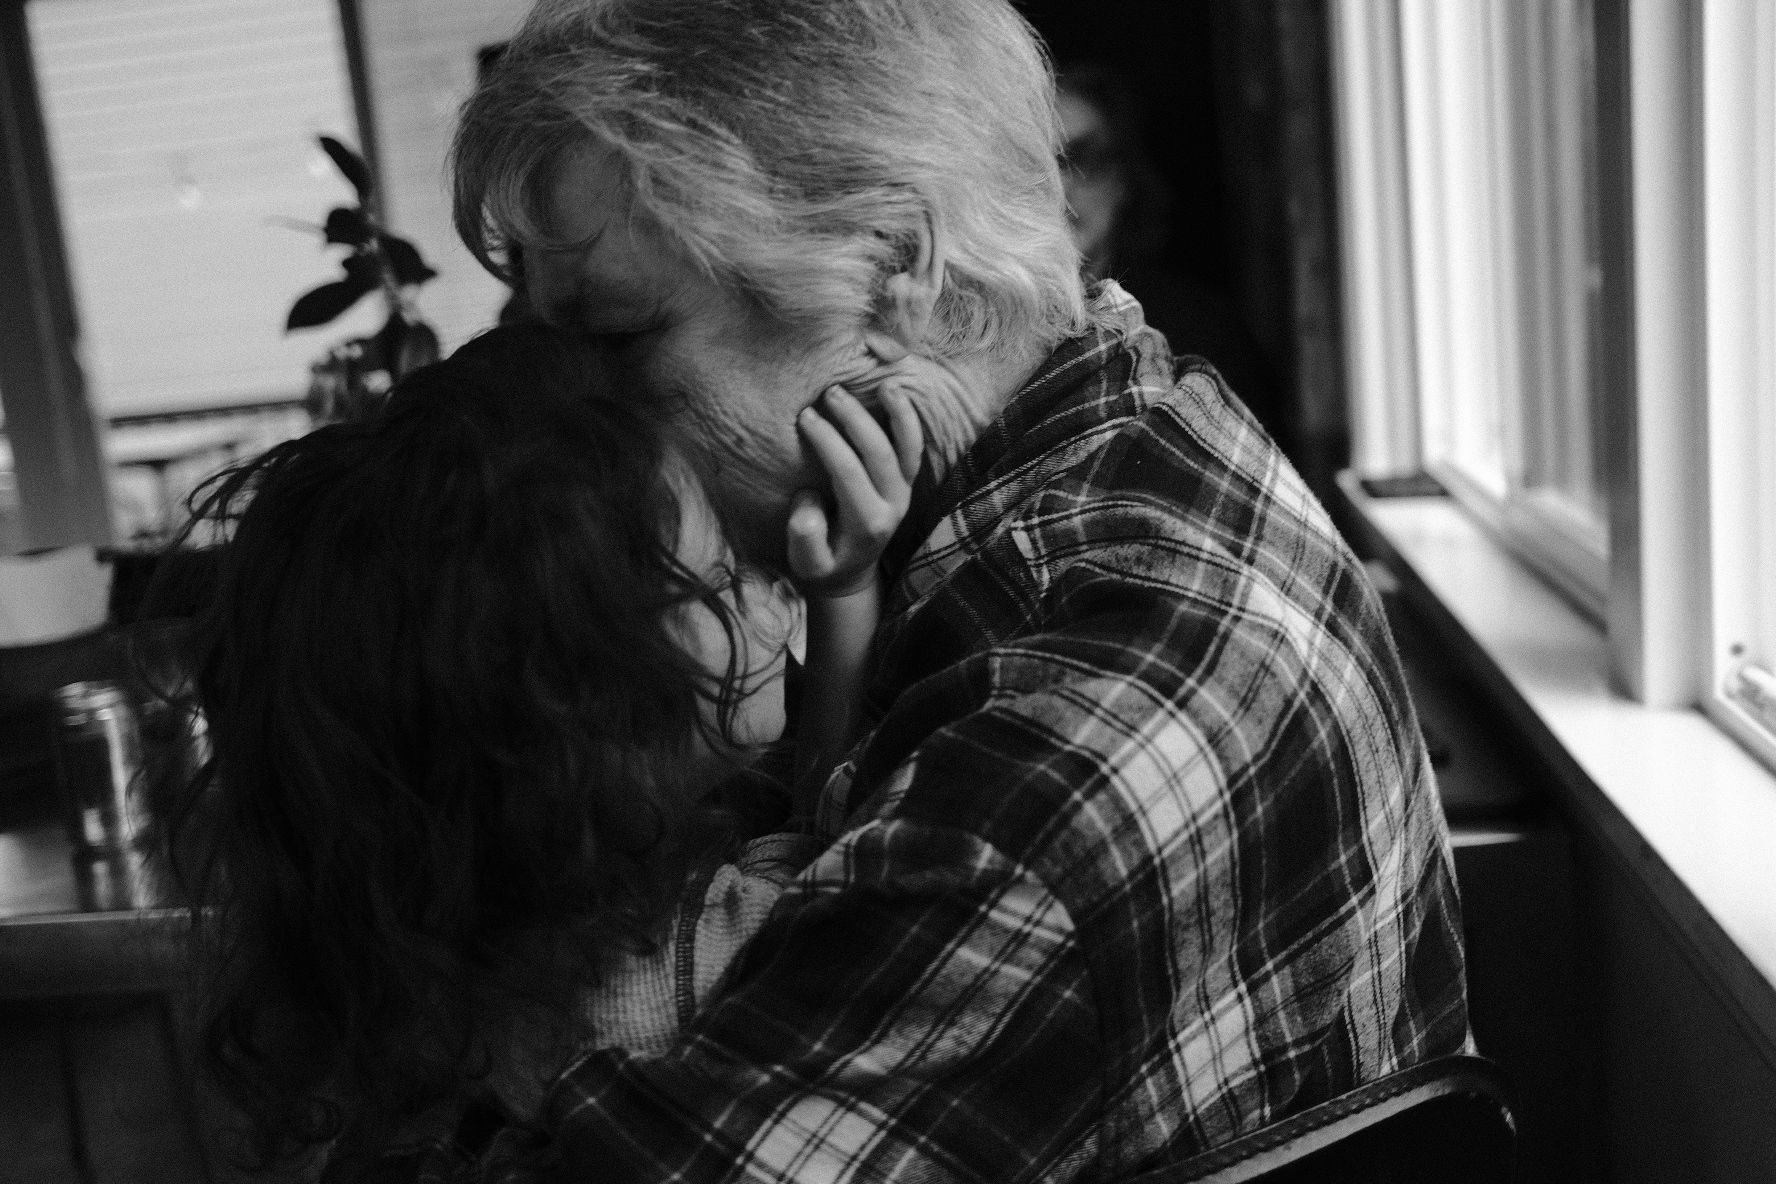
(833, 551)
(953, 407)
(674, 334)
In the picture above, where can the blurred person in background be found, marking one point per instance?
(1120, 208)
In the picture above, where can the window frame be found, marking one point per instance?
(63, 481)
(1641, 584)
(1739, 138)
(1432, 305)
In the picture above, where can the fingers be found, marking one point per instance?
(867, 440)
(810, 550)
(820, 568)
(851, 482)
(869, 493)
(905, 428)
(834, 543)
(886, 348)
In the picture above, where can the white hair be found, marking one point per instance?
(794, 150)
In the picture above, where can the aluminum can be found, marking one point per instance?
(99, 764)
(175, 745)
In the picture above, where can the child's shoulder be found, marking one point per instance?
(739, 894)
(737, 898)
(776, 858)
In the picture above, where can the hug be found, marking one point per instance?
(836, 698)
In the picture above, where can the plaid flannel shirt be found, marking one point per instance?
(1142, 852)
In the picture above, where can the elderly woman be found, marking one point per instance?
(1139, 848)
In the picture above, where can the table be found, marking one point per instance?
(61, 932)
(57, 935)
(94, 1068)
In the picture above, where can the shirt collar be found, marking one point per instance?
(1086, 380)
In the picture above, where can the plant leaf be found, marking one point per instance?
(404, 260)
(322, 304)
(419, 348)
(363, 267)
(351, 165)
(348, 225)
(293, 224)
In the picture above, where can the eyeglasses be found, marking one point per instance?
(1090, 156)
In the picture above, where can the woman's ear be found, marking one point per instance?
(909, 298)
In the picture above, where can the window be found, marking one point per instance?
(1498, 198)
(1739, 44)
(422, 61)
(155, 184)
(183, 138)
(1560, 227)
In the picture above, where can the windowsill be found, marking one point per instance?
(1687, 811)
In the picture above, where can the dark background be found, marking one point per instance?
(1237, 118)
(1166, 49)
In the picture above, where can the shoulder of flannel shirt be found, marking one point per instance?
(915, 1008)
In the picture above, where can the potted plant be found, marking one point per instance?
(355, 375)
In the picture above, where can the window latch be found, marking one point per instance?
(1753, 687)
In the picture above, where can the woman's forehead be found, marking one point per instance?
(598, 251)
(584, 216)
(583, 199)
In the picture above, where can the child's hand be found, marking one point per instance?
(833, 553)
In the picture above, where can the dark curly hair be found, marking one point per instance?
(457, 750)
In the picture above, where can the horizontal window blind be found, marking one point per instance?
(422, 66)
(183, 138)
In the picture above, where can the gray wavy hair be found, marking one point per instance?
(793, 149)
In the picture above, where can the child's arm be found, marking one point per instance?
(833, 555)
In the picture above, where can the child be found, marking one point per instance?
(474, 672)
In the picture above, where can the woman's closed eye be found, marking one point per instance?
(621, 327)
(618, 340)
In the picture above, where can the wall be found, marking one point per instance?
(1689, 1086)
(1528, 992)
(1634, 1063)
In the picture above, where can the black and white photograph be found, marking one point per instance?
(888, 591)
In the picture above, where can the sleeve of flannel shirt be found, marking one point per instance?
(920, 1013)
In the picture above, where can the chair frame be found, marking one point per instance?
(1253, 1156)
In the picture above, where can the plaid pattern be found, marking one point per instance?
(1142, 852)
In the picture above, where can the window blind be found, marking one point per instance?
(183, 139)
